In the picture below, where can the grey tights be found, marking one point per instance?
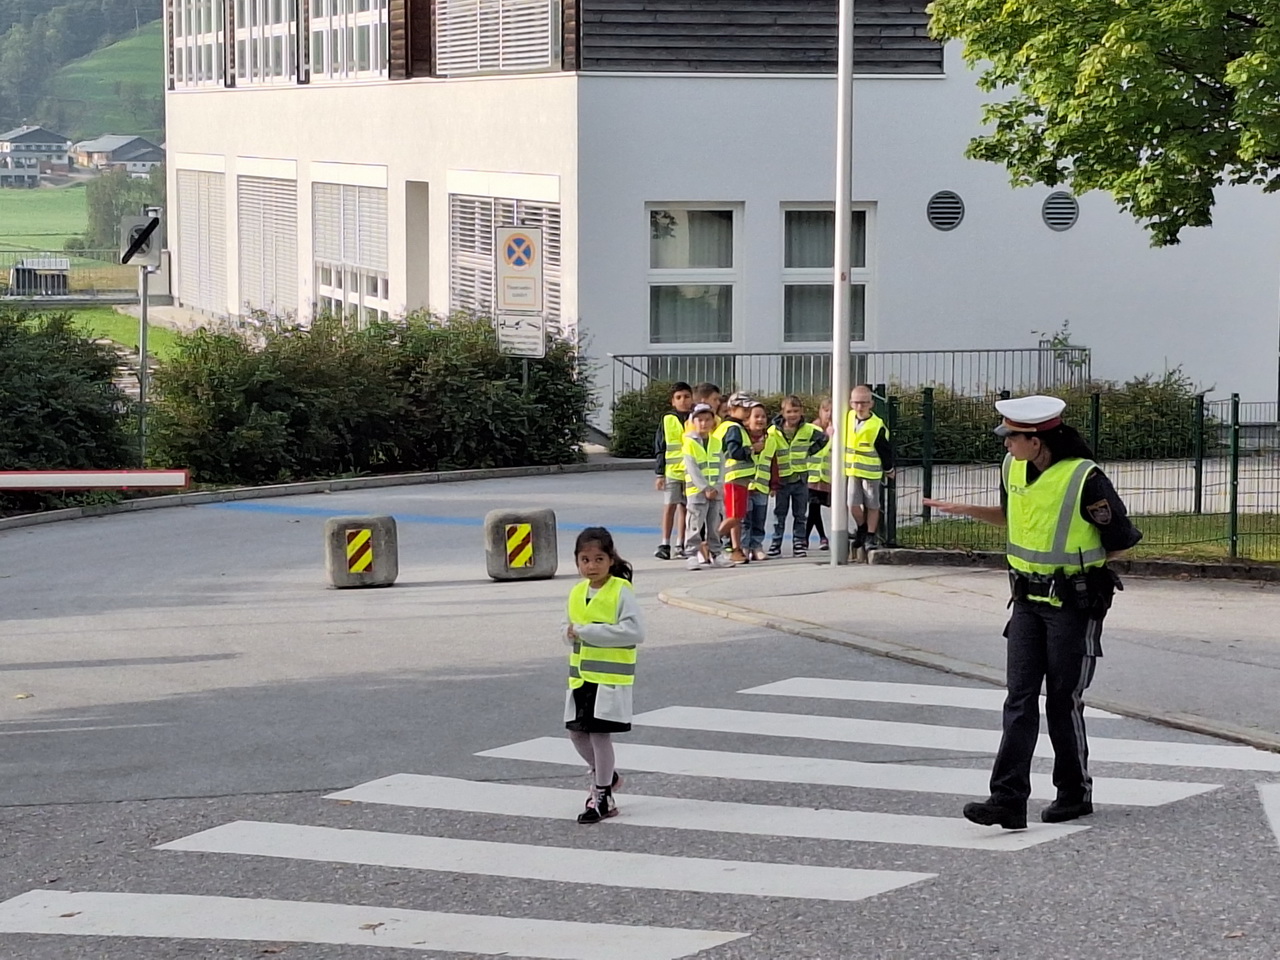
(597, 750)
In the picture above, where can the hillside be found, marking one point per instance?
(118, 89)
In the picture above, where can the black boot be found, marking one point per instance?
(1062, 809)
(602, 809)
(991, 814)
(615, 785)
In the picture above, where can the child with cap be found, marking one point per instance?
(738, 467)
(702, 490)
(668, 453)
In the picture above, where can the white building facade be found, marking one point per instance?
(679, 161)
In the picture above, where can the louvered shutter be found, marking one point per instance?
(188, 238)
(213, 215)
(492, 36)
(471, 267)
(202, 251)
(372, 228)
(268, 211)
(327, 221)
(527, 39)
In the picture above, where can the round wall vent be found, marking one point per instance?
(1060, 211)
(945, 210)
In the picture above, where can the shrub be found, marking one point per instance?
(636, 416)
(59, 409)
(416, 394)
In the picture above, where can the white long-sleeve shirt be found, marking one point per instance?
(627, 632)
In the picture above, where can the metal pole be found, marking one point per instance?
(841, 293)
(142, 368)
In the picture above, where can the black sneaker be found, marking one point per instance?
(775, 549)
(992, 814)
(800, 549)
(613, 787)
(663, 552)
(824, 544)
(1061, 810)
(602, 809)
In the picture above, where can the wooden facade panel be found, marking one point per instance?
(420, 35)
(756, 36)
(398, 39)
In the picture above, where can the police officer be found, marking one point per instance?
(1065, 521)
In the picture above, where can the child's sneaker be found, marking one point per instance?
(663, 552)
(722, 560)
(758, 554)
(800, 549)
(616, 787)
(694, 562)
(737, 556)
(602, 809)
(824, 544)
(679, 551)
(775, 549)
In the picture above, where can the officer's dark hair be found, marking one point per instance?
(1065, 443)
(603, 539)
(680, 385)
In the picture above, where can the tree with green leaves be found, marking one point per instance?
(114, 195)
(1158, 102)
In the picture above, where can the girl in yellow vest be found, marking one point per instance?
(604, 625)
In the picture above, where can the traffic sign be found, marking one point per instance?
(140, 241)
(522, 335)
(519, 268)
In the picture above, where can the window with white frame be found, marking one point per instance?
(472, 222)
(497, 36)
(692, 273)
(199, 43)
(267, 211)
(349, 227)
(349, 39)
(809, 243)
(266, 41)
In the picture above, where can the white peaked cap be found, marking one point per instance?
(1029, 414)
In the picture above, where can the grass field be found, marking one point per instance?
(41, 219)
(1172, 536)
(89, 90)
(105, 322)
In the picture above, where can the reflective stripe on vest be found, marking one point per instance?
(1046, 532)
(673, 458)
(860, 457)
(708, 457)
(733, 471)
(615, 666)
(793, 455)
(820, 464)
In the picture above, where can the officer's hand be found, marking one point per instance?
(891, 473)
(945, 506)
(660, 483)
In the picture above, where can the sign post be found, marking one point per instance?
(140, 243)
(520, 323)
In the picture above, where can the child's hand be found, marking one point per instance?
(571, 633)
(712, 493)
(757, 445)
(660, 483)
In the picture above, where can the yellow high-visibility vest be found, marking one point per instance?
(673, 457)
(820, 465)
(764, 464)
(1046, 532)
(615, 666)
(860, 457)
(707, 455)
(734, 471)
(794, 462)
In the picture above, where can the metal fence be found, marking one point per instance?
(1201, 477)
(83, 273)
(1046, 368)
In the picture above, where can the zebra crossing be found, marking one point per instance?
(223, 918)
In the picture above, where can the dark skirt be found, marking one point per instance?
(584, 720)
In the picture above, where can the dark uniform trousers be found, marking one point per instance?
(1057, 646)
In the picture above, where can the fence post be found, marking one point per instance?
(891, 486)
(926, 451)
(1233, 490)
(1095, 423)
(1198, 419)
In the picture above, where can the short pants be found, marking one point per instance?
(864, 493)
(735, 501)
(673, 492)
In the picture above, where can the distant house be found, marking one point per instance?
(17, 176)
(137, 155)
(36, 148)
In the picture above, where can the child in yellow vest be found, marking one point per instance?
(604, 625)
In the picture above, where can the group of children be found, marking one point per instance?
(718, 462)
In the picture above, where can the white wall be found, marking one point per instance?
(1210, 304)
(417, 129)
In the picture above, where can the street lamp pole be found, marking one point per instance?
(842, 292)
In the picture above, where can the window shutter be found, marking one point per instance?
(202, 252)
(372, 228)
(327, 221)
(493, 36)
(213, 216)
(471, 278)
(268, 211)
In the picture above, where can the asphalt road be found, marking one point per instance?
(187, 680)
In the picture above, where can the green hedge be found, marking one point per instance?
(414, 394)
(59, 409)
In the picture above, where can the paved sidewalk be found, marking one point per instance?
(1199, 655)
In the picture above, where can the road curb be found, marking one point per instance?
(315, 486)
(1165, 569)
(679, 597)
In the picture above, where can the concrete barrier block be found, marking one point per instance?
(361, 551)
(521, 544)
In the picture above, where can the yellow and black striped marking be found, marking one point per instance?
(519, 545)
(359, 550)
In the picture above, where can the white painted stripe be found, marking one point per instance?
(560, 864)
(444, 793)
(966, 739)
(908, 777)
(183, 917)
(92, 479)
(1270, 794)
(922, 694)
